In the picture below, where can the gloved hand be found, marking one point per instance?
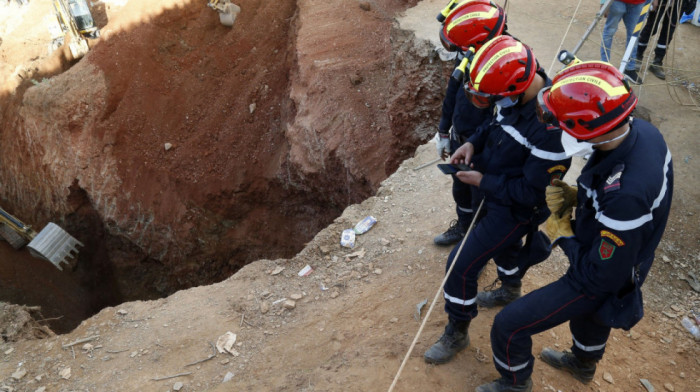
(560, 198)
(557, 227)
(442, 144)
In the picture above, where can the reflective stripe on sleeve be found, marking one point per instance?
(539, 153)
(633, 223)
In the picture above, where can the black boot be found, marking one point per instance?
(501, 296)
(452, 236)
(503, 385)
(454, 340)
(582, 369)
(656, 67)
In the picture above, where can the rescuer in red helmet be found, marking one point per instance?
(466, 27)
(513, 159)
(622, 205)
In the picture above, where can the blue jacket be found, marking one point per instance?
(458, 111)
(518, 156)
(624, 199)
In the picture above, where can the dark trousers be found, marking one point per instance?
(667, 16)
(498, 235)
(538, 311)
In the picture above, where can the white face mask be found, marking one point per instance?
(506, 102)
(577, 148)
(573, 147)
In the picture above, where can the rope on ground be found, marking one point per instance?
(571, 21)
(435, 299)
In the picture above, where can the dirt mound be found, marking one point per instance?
(19, 322)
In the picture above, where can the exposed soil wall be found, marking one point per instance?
(273, 127)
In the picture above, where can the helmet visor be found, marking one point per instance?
(480, 99)
(544, 115)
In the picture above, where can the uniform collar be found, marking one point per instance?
(615, 156)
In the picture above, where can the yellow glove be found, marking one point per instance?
(557, 227)
(560, 197)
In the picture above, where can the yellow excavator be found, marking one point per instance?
(226, 9)
(75, 21)
(52, 243)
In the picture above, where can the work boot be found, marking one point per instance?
(633, 76)
(657, 69)
(501, 296)
(582, 369)
(503, 385)
(454, 340)
(452, 236)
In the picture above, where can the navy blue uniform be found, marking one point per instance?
(624, 198)
(460, 114)
(518, 157)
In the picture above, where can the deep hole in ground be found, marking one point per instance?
(272, 134)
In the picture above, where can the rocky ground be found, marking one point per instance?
(347, 325)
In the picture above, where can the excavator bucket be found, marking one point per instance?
(54, 245)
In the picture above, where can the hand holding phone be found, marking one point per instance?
(450, 168)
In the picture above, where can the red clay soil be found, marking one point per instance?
(273, 127)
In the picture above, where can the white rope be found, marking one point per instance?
(435, 299)
(571, 21)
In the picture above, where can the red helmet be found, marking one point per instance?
(587, 100)
(472, 23)
(503, 67)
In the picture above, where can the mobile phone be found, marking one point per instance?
(449, 168)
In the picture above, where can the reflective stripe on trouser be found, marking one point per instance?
(494, 236)
(540, 310)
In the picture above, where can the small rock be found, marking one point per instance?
(167, 146)
(228, 377)
(676, 308)
(634, 335)
(40, 389)
(122, 312)
(682, 375)
(9, 351)
(608, 377)
(365, 6)
(296, 296)
(394, 320)
(251, 107)
(669, 387)
(289, 304)
(384, 242)
(264, 307)
(64, 373)
(665, 258)
(133, 354)
(19, 373)
(88, 347)
(334, 294)
(177, 386)
(378, 271)
(324, 249)
(277, 270)
(647, 384)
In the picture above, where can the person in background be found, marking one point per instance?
(628, 11)
(664, 13)
(622, 205)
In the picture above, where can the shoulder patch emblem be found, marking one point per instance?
(613, 181)
(606, 250)
(613, 237)
(557, 168)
